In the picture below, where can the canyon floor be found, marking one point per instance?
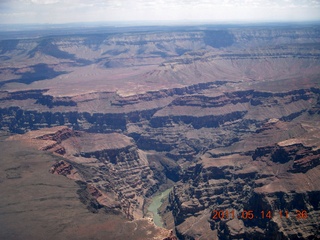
(95, 123)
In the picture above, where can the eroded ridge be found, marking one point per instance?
(116, 172)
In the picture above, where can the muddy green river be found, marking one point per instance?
(155, 204)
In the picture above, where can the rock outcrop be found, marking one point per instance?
(116, 174)
(236, 150)
(270, 179)
(156, 120)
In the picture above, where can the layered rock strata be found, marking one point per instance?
(116, 173)
(182, 122)
(229, 114)
(280, 179)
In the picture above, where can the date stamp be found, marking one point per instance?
(250, 214)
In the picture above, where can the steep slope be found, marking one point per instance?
(36, 204)
(115, 171)
(230, 194)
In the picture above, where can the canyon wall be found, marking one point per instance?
(228, 116)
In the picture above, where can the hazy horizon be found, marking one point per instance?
(201, 11)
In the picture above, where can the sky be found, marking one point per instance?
(73, 11)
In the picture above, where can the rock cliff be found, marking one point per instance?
(228, 116)
(280, 179)
(158, 59)
(114, 171)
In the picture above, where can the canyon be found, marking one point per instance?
(226, 116)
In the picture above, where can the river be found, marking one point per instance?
(154, 206)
